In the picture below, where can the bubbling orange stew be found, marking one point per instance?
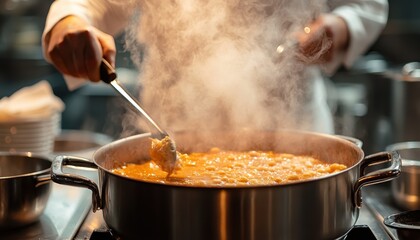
(233, 168)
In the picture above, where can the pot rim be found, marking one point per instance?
(293, 183)
(404, 146)
(30, 155)
(410, 163)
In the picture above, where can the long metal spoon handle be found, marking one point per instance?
(108, 75)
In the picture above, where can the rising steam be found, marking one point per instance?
(213, 64)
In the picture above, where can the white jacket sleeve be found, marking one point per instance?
(365, 20)
(107, 15)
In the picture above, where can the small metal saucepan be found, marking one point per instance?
(406, 189)
(327, 207)
(25, 185)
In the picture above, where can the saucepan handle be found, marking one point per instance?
(378, 176)
(58, 176)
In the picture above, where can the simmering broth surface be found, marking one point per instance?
(233, 168)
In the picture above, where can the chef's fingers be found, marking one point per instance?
(74, 49)
(57, 60)
(323, 39)
(78, 45)
(107, 44)
(315, 43)
(89, 48)
(108, 47)
(92, 55)
(62, 56)
(59, 48)
(80, 52)
(317, 48)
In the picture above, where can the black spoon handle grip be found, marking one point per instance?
(106, 71)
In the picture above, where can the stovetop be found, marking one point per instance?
(358, 232)
(380, 204)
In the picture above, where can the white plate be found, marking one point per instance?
(45, 150)
(32, 123)
(45, 144)
(24, 136)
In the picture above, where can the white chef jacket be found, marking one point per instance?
(365, 20)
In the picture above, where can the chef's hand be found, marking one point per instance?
(76, 48)
(322, 39)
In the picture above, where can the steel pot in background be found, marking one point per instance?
(79, 143)
(405, 112)
(321, 208)
(406, 189)
(25, 185)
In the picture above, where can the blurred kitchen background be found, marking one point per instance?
(375, 101)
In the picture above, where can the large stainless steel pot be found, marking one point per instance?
(24, 188)
(322, 208)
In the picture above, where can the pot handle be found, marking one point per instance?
(58, 176)
(378, 176)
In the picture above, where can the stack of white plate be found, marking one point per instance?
(29, 135)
